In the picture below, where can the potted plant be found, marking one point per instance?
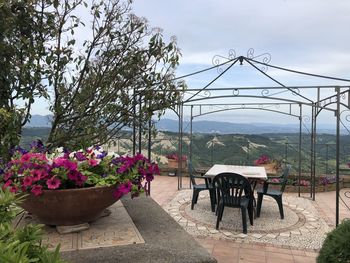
(271, 165)
(174, 159)
(69, 188)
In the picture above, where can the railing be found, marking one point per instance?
(240, 152)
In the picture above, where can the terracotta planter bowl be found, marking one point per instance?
(70, 206)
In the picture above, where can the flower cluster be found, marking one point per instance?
(38, 170)
(176, 157)
(327, 180)
(263, 159)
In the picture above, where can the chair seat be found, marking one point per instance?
(202, 186)
(244, 202)
(269, 192)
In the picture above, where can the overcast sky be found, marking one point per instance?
(303, 35)
(309, 36)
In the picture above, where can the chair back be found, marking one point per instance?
(284, 176)
(191, 172)
(231, 188)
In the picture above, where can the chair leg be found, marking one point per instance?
(194, 198)
(212, 199)
(218, 216)
(244, 219)
(222, 212)
(258, 208)
(280, 205)
(251, 213)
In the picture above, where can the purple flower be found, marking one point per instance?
(122, 189)
(80, 156)
(101, 155)
(37, 145)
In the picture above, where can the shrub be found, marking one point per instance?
(336, 247)
(21, 244)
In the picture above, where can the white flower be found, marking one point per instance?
(59, 150)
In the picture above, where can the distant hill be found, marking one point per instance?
(231, 128)
(206, 126)
(40, 121)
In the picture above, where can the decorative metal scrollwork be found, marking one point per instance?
(347, 194)
(264, 58)
(217, 59)
(207, 93)
(295, 91)
(265, 92)
(243, 106)
(306, 118)
(343, 96)
(235, 92)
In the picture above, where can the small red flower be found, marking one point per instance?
(37, 190)
(53, 183)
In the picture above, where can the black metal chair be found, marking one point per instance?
(194, 174)
(234, 190)
(276, 194)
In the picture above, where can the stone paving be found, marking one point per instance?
(301, 228)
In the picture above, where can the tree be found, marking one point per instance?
(95, 63)
(25, 27)
(97, 88)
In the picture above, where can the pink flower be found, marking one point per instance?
(93, 162)
(122, 190)
(7, 184)
(37, 190)
(63, 162)
(27, 181)
(14, 189)
(53, 183)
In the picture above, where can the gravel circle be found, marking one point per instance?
(301, 228)
(268, 222)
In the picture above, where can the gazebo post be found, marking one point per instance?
(337, 158)
(299, 155)
(191, 131)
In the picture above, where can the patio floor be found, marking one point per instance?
(298, 242)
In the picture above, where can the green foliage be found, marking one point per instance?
(119, 76)
(336, 247)
(24, 29)
(21, 245)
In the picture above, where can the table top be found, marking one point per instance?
(257, 172)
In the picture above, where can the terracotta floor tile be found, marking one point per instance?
(274, 257)
(304, 259)
(296, 252)
(225, 259)
(279, 250)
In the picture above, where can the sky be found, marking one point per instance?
(303, 35)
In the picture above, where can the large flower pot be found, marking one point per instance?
(174, 164)
(70, 206)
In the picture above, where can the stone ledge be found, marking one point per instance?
(165, 240)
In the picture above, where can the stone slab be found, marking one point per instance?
(165, 240)
(114, 230)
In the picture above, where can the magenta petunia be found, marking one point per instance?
(28, 181)
(53, 183)
(7, 184)
(93, 162)
(122, 189)
(66, 163)
(37, 190)
(13, 189)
